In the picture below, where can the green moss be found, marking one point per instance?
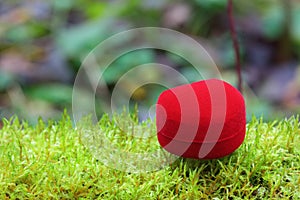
(49, 161)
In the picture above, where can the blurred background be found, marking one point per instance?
(43, 43)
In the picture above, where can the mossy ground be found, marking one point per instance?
(49, 161)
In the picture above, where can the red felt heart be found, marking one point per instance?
(203, 120)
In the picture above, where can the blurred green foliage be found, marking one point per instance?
(30, 31)
(126, 62)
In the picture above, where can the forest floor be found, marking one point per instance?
(50, 161)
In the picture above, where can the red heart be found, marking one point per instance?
(203, 120)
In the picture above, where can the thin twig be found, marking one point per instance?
(235, 44)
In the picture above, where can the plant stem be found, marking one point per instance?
(235, 44)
